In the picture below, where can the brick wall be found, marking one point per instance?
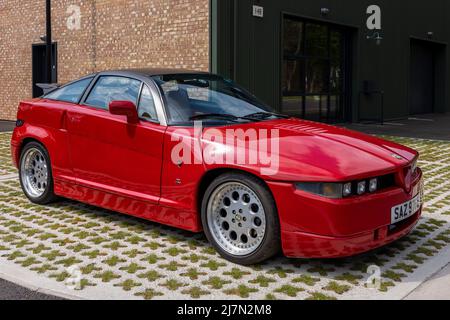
(112, 34)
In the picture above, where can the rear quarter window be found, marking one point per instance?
(71, 92)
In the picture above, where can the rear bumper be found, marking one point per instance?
(15, 147)
(317, 227)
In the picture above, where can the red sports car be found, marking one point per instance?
(195, 151)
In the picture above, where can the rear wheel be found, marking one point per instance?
(35, 174)
(240, 219)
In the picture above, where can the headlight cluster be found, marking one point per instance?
(339, 190)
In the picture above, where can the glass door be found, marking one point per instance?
(313, 70)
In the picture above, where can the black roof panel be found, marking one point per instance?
(156, 71)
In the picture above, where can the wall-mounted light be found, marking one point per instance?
(324, 11)
(375, 36)
(430, 34)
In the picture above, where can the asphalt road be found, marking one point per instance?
(428, 126)
(6, 125)
(10, 291)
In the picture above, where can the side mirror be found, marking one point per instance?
(125, 108)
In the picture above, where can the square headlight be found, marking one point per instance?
(347, 189)
(361, 187)
(373, 185)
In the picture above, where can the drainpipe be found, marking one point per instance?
(48, 48)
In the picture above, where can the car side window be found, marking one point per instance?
(71, 92)
(147, 110)
(110, 88)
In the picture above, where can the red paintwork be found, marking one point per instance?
(335, 228)
(101, 159)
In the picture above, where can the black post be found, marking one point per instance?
(48, 48)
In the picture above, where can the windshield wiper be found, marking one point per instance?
(265, 115)
(215, 116)
(252, 117)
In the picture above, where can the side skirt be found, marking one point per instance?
(165, 215)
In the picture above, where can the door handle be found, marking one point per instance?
(63, 123)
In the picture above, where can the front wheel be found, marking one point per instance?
(35, 174)
(240, 219)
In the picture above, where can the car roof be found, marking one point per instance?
(154, 71)
(138, 73)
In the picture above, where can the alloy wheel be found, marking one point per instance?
(236, 218)
(34, 172)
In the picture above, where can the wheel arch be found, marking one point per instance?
(271, 241)
(24, 142)
(209, 176)
(47, 137)
(47, 194)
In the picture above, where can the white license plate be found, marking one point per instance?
(405, 210)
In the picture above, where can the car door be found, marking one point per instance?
(51, 114)
(110, 154)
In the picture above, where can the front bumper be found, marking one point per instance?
(317, 227)
(299, 244)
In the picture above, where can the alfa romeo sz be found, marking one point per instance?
(130, 141)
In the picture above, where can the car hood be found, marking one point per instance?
(309, 151)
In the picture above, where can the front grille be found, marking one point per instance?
(386, 181)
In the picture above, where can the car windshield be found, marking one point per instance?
(190, 97)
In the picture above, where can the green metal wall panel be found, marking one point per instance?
(248, 48)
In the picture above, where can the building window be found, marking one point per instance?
(313, 71)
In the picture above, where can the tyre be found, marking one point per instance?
(35, 174)
(240, 219)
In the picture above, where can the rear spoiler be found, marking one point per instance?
(47, 87)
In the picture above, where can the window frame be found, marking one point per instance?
(94, 83)
(141, 90)
(341, 114)
(91, 77)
